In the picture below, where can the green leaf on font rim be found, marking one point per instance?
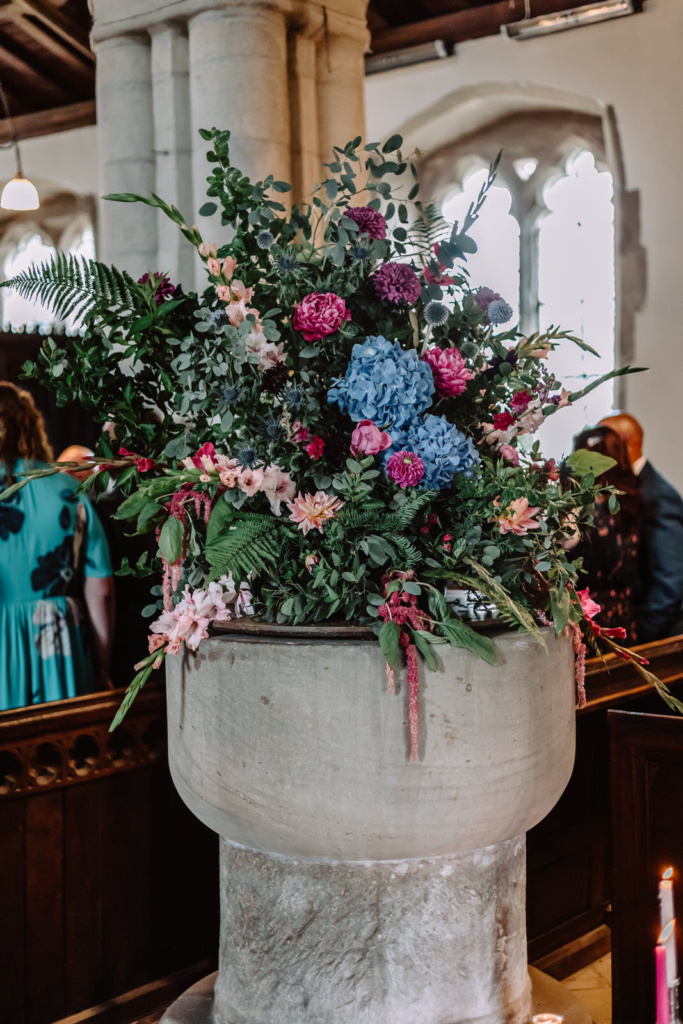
(389, 642)
(171, 540)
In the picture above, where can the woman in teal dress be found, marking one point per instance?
(56, 585)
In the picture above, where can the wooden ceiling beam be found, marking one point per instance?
(69, 30)
(39, 82)
(460, 26)
(45, 122)
(54, 43)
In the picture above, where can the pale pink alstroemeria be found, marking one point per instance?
(518, 517)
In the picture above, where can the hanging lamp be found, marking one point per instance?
(19, 193)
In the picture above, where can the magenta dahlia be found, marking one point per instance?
(397, 282)
(370, 222)
(405, 468)
(448, 370)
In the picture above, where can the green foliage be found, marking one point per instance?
(249, 544)
(73, 286)
(583, 461)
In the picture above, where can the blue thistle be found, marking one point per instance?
(220, 318)
(265, 239)
(246, 455)
(499, 312)
(293, 397)
(360, 253)
(436, 314)
(227, 395)
(273, 430)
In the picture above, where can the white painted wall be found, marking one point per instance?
(633, 64)
(66, 159)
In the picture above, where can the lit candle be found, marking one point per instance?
(662, 987)
(666, 899)
(668, 940)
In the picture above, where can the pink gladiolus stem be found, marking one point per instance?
(413, 700)
(391, 687)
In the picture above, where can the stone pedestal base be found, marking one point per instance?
(547, 996)
(431, 941)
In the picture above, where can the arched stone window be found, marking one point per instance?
(559, 232)
(65, 222)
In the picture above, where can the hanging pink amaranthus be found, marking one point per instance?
(402, 609)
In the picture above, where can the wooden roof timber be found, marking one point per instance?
(44, 122)
(72, 32)
(461, 25)
(47, 38)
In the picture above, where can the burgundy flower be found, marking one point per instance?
(397, 282)
(160, 285)
(405, 468)
(320, 314)
(484, 297)
(316, 447)
(519, 402)
(274, 379)
(370, 222)
(448, 370)
(503, 420)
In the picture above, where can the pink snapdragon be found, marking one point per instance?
(368, 439)
(311, 511)
(320, 314)
(277, 486)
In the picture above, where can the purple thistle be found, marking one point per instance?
(397, 282)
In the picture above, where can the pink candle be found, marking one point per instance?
(662, 987)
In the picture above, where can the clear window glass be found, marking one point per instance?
(17, 312)
(496, 232)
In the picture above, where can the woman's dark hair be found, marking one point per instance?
(22, 428)
(607, 442)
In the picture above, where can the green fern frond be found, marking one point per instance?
(71, 285)
(248, 545)
(428, 228)
(410, 555)
(381, 522)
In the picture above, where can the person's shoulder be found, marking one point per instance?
(655, 486)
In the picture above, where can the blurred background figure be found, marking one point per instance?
(56, 585)
(77, 453)
(659, 610)
(611, 551)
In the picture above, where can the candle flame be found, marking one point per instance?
(666, 934)
(669, 873)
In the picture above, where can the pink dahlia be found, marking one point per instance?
(448, 370)
(320, 314)
(370, 222)
(311, 511)
(397, 282)
(405, 468)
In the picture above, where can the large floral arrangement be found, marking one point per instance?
(339, 427)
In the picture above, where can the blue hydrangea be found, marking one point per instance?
(384, 383)
(499, 312)
(443, 449)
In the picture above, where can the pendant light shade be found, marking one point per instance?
(19, 194)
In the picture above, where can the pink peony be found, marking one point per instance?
(448, 370)
(370, 222)
(311, 511)
(589, 607)
(320, 314)
(509, 453)
(518, 517)
(405, 468)
(367, 439)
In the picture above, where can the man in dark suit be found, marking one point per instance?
(660, 612)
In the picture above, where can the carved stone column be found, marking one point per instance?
(124, 115)
(341, 70)
(172, 147)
